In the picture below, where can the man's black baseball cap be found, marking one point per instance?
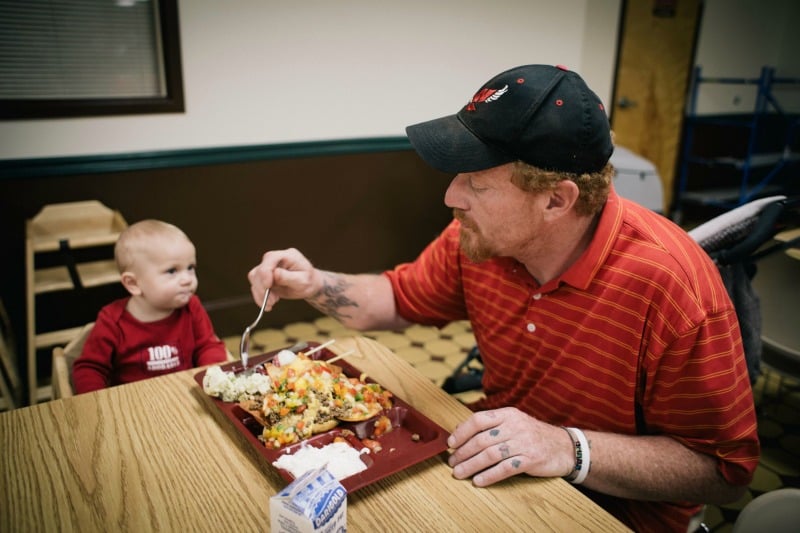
(543, 115)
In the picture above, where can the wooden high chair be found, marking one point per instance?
(58, 231)
(63, 357)
(10, 385)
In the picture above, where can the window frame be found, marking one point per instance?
(171, 102)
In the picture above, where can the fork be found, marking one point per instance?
(244, 346)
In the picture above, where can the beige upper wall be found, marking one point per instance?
(268, 71)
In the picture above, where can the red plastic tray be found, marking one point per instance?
(400, 447)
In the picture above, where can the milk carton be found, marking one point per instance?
(315, 502)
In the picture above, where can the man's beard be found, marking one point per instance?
(472, 243)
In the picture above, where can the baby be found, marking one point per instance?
(161, 327)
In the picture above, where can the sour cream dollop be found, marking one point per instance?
(285, 357)
(232, 388)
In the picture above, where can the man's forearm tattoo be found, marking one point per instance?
(331, 299)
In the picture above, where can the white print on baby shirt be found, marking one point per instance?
(164, 357)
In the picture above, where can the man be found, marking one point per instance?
(612, 352)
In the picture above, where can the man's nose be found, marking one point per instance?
(453, 197)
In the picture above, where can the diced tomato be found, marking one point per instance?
(382, 425)
(373, 445)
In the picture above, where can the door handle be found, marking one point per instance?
(625, 103)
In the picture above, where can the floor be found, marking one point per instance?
(436, 353)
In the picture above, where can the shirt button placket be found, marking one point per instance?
(531, 327)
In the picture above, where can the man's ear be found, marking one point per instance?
(130, 283)
(561, 199)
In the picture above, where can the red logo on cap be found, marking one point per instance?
(486, 95)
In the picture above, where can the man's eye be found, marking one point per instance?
(475, 187)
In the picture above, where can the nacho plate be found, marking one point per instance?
(414, 437)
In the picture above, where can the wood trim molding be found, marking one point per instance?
(98, 164)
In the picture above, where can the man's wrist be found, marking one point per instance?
(583, 457)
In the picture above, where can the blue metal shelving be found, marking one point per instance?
(749, 185)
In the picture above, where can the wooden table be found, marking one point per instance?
(157, 456)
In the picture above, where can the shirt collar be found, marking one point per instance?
(583, 271)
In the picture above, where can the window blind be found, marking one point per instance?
(80, 49)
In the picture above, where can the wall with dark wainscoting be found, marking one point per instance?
(352, 207)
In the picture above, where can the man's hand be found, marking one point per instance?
(289, 275)
(494, 445)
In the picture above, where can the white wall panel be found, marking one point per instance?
(268, 71)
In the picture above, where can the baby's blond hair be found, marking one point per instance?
(136, 238)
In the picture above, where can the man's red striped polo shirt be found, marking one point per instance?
(638, 336)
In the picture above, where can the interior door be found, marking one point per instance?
(655, 61)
